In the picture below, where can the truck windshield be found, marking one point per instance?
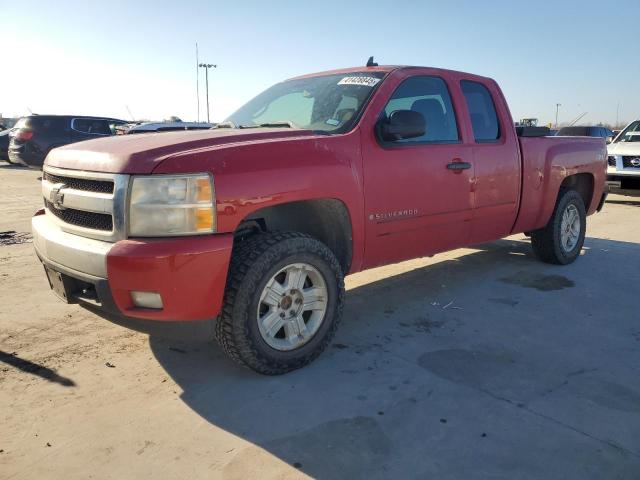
(329, 103)
(630, 134)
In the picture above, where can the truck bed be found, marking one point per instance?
(546, 163)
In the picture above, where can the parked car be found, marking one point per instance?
(623, 170)
(7, 123)
(154, 127)
(602, 132)
(33, 137)
(254, 224)
(4, 144)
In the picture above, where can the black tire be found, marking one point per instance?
(254, 261)
(546, 242)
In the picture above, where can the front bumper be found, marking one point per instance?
(621, 176)
(189, 273)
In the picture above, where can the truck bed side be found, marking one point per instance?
(548, 162)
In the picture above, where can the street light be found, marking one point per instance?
(206, 67)
(557, 107)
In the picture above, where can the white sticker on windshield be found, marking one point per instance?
(365, 81)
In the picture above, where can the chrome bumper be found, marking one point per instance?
(68, 251)
(620, 171)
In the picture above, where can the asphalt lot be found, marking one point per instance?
(478, 363)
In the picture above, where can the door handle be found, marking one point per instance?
(458, 166)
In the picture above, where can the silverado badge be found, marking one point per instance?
(390, 216)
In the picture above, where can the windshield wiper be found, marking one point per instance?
(278, 124)
(281, 124)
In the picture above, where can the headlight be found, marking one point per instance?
(168, 205)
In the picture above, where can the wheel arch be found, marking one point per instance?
(325, 219)
(581, 183)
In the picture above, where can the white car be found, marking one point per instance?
(155, 127)
(623, 170)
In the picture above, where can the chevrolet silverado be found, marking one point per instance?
(254, 224)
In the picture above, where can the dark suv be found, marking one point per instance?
(34, 136)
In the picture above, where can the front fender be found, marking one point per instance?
(249, 177)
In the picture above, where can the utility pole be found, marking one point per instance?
(197, 82)
(206, 67)
(557, 108)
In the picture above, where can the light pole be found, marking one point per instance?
(206, 67)
(557, 108)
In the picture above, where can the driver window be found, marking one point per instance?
(428, 96)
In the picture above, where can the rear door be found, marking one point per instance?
(496, 159)
(415, 203)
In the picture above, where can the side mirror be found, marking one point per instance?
(609, 140)
(403, 124)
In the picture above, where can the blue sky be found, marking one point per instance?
(96, 58)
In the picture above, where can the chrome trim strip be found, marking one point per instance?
(80, 199)
(78, 253)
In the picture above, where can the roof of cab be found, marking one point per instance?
(387, 69)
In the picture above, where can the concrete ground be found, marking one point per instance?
(478, 363)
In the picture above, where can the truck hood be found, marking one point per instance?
(627, 148)
(141, 153)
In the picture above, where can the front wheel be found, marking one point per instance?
(561, 240)
(283, 302)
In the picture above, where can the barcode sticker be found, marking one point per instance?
(364, 81)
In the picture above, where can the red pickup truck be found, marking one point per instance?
(255, 223)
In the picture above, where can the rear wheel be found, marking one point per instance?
(283, 302)
(561, 240)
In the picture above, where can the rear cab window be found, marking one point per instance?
(482, 112)
(429, 96)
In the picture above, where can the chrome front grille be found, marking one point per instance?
(631, 161)
(89, 204)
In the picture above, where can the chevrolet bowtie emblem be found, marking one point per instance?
(56, 196)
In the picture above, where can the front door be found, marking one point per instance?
(418, 198)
